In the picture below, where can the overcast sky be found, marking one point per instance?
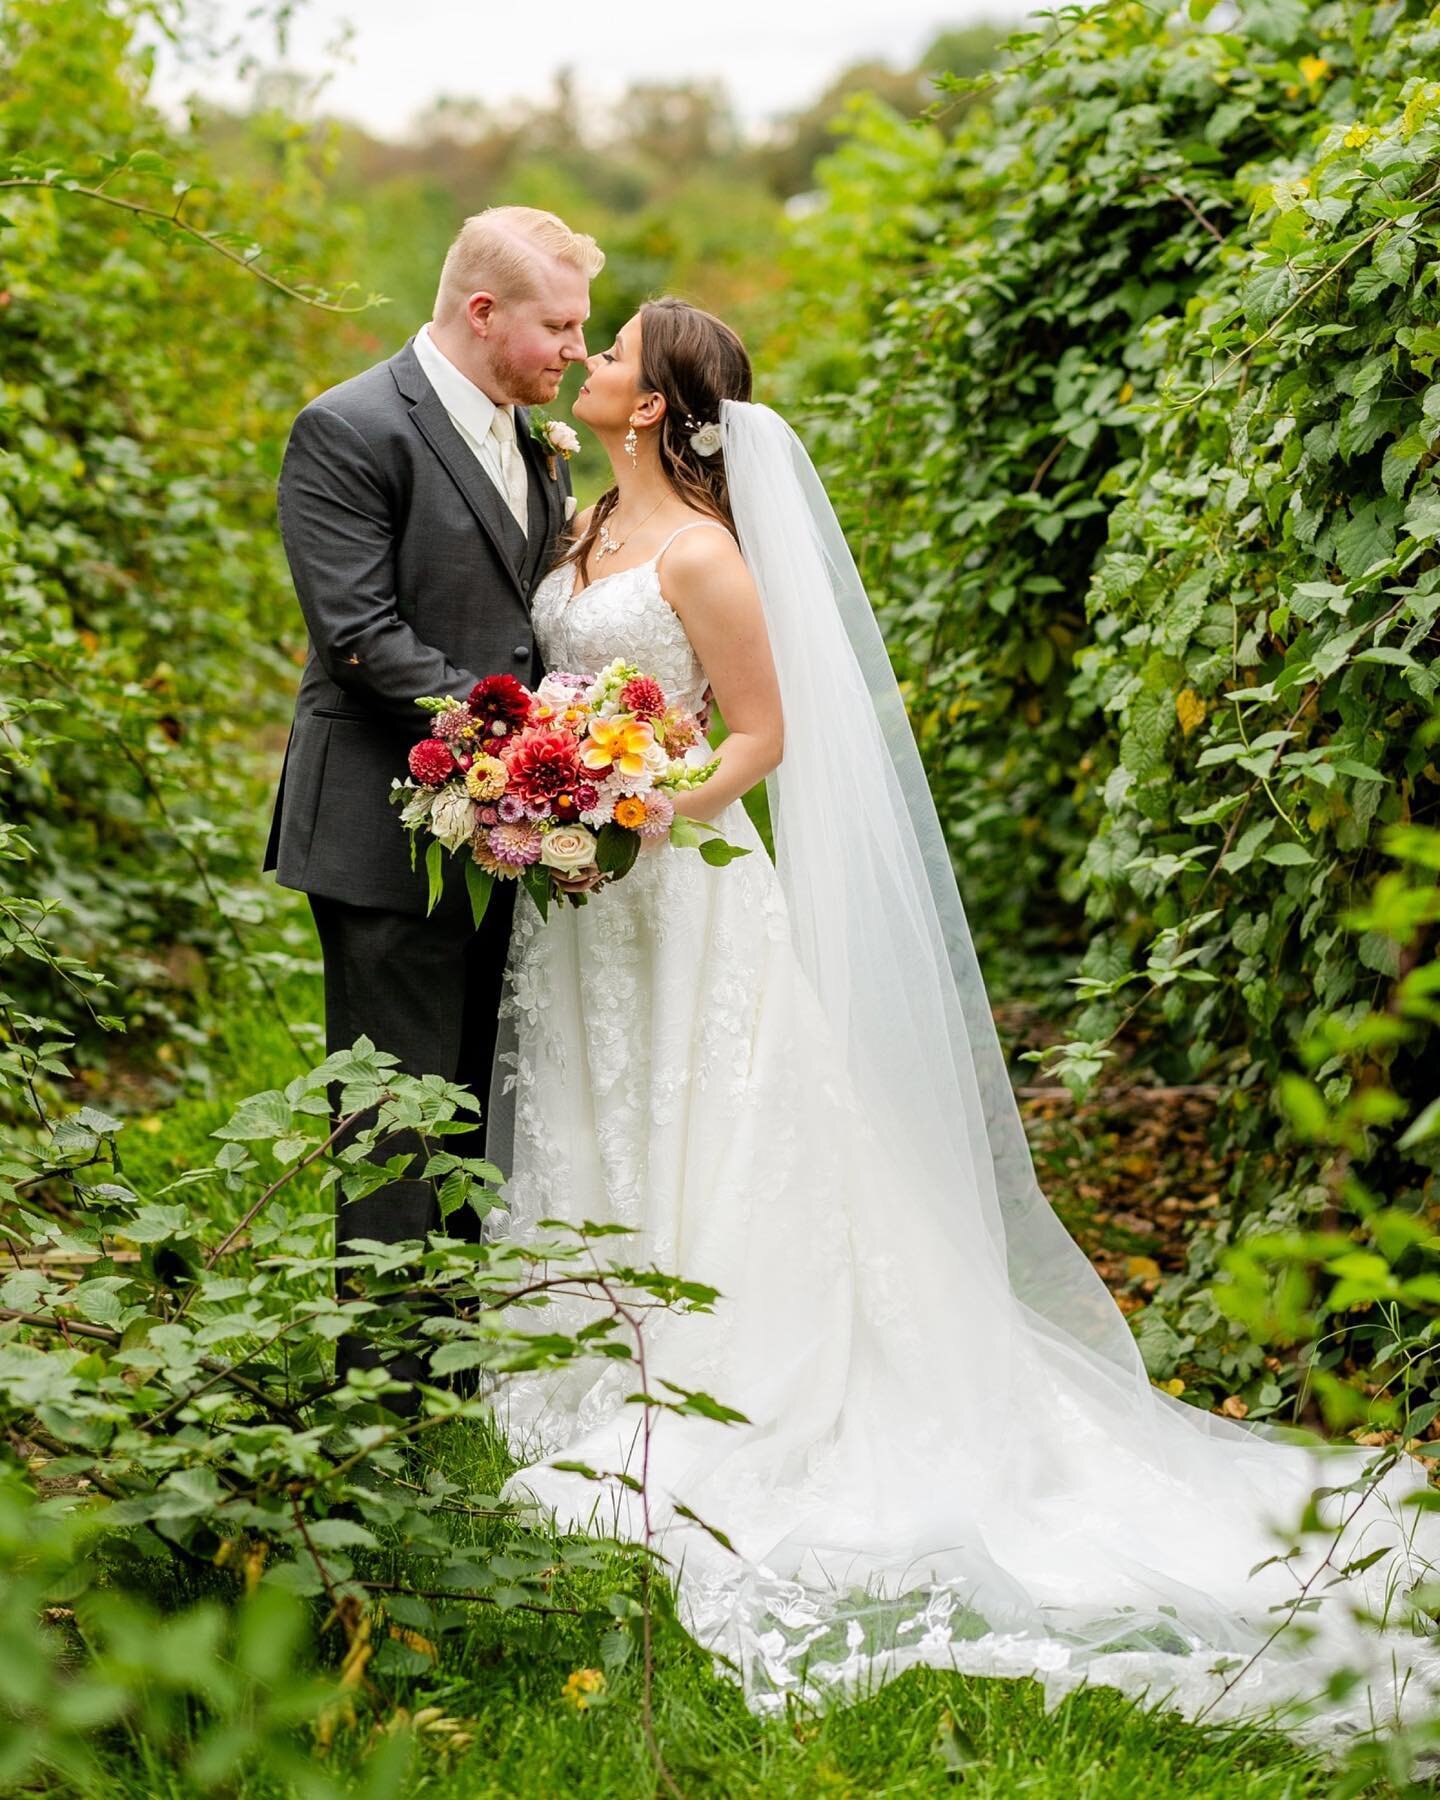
(773, 56)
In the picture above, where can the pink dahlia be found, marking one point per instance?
(510, 808)
(659, 812)
(542, 763)
(432, 762)
(489, 815)
(643, 697)
(516, 846)
(481, 853)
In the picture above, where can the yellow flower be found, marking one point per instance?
(630, 813)
(486, 777)
(618, 743)
(1357, 135)
(1314, 68)
(580, 1684)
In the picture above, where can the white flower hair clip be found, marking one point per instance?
(705, 439)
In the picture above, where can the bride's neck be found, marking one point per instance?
(639, 489)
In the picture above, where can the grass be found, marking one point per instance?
(505, 1673)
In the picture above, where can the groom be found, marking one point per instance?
(418, 515)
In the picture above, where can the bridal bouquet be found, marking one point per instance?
(564, 782)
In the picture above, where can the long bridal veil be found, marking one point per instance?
(1173, 1500)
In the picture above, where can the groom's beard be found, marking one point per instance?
(524, 387)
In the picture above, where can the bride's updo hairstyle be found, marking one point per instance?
(695, 360)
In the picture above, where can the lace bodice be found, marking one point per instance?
(621, 614)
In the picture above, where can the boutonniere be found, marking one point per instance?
(555, 438)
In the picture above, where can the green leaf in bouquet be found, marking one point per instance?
(685, 833)
(537, 883)
(478, 884)
(434, 868)
(717, 852)
(616, 849)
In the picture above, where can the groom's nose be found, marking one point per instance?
(575, 352)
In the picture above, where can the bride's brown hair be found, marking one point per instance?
(695, 360)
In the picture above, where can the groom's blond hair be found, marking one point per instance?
(503, 250)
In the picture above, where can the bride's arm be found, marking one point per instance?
(709, 586)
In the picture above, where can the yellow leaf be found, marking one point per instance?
(1234, 1407)
(1189, 710)
(1127, 393)
(412, 1640)
(1138, 1267)
(254, 1566)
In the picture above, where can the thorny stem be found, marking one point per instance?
(176, 223)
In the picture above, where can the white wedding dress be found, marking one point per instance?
(930, 1474)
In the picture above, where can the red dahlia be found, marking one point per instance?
(542, 765)
(643, 697)
(500, 700)
(431, 762)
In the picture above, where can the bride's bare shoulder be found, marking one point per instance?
(704, 570)
(691, 553)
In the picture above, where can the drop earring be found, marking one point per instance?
(630, 442)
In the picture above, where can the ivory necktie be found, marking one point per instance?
(512, 464)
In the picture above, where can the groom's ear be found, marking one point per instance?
(480, 310)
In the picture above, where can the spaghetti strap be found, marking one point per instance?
(690, 527)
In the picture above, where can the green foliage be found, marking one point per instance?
(172, 1430)
(1140, 462)
(149, 378)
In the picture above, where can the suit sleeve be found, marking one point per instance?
(337, 524)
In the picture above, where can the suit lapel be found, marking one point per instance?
(483, 497)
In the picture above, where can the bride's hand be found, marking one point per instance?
(581, 882)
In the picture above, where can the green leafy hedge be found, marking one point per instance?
(1142, 461)
(145, 637)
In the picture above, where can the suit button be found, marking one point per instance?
(522, 653)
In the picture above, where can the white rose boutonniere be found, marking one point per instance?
(555, 437)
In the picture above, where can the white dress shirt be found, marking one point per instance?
(470, 409)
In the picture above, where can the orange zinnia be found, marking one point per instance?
(630, 812)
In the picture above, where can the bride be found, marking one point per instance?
(784, 1078)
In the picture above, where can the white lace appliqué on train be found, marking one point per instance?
(929, 1475)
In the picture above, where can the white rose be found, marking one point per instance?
(567, 849)
(706, 441)
(563, 438)
(452, 817)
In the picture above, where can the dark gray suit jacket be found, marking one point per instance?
(413, 578)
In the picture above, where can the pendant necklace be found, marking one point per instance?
(608, 545)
